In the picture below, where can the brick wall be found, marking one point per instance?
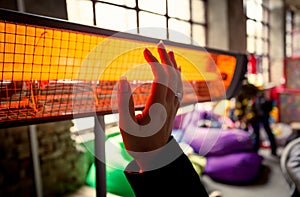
(16, 172)
(63, 163)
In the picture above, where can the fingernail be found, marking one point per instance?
(161, 44)
(123, 78)
(172, 52)
(123, 84)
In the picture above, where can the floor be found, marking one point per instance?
(269, 183)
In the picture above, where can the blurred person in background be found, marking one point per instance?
(252, 109)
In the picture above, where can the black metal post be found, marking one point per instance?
(100, 156)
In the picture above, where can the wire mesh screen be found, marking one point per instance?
(50, 72)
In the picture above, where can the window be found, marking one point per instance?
(258, 36)
(288, 33)
(177, 20)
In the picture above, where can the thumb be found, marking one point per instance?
(125, 104)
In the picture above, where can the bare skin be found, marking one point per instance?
(151, 130)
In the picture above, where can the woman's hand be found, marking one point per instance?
(151, 129)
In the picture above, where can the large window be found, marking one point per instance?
(289, 33)
(177, 20)
(258, 36)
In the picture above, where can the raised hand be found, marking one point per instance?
(151, 129)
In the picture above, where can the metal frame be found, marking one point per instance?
(17, 17)
(13, 16)
(100, 166)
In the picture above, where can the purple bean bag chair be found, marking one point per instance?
(242, 167)
(229, 152)
(178, 121)
(195, 116)
(214, 142)
(210, 141)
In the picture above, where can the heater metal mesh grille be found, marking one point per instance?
(50, 72)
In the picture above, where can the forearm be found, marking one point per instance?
(173, 176)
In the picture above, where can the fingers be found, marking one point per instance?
(159, 87)
(160, 76)
(179, 82)
(179, 86)
(167, 63)
(169, 68)
(178, 71)
(167, 76)
(125, 104)
(172, 58)
(163, 54)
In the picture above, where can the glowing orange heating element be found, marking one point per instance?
(36, 53)
(49, 72)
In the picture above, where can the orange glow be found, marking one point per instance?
(35, 53)
(48, 72)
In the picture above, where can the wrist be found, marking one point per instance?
(147, 161)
